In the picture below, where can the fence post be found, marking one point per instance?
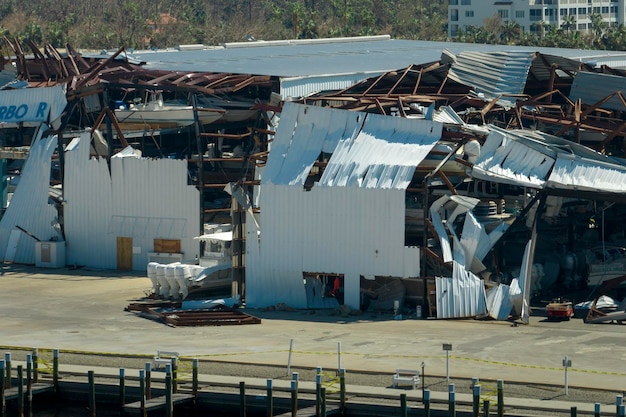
(596, 410)
(148, 389)
(403, 410)
(323, 402)
(270, 401)
(451, 400)
(174, 374)
(618, 401)
(573, 411)
(500, 398)
(294, 397)
(476, 400)
(55, 369)
(427, 403)
(242, 398)
(318, 392)
(194, 378)
(342, 391)
(92, 393)
(7, 359)
(29, 385)
(486, 408)
(169, 406)
(35, 365)
(142, 392)
(122, 390)
(20, 391)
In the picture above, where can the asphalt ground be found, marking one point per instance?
(82, 313)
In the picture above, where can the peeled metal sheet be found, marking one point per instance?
(305, 132)
(461, 296)
(491, 74)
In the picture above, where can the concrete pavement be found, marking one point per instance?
(83, 310)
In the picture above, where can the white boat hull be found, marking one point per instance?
(179, 116)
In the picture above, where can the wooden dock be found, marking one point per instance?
(36, 388)
(157, 403)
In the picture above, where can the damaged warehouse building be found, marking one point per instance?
(470, 185)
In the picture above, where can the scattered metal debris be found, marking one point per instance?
(172, 314)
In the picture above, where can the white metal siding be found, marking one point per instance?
(142, 199)
(346, 231)
(29, 206)
(297, 87)
(463, 295)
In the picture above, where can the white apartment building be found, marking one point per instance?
(527, 13)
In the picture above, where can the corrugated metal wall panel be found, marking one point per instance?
(88, 194)
(142, 199)
(297, 87)
(463, 295)
(499, 303)
(346, 231)
(29, 206)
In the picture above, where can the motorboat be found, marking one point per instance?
(234, 110)
(156, 110)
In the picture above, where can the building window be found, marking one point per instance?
(582, 26)
(582, 11)
(453, 2)
(454, 30)
(563, 12)
(535, 15)
(605, 9)
(549, 12)
(503, 13)
(454, 15)
(466, 2)
(519, 14)
(469, 13)
(572, 11)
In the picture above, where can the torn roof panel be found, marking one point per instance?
(591, 87)
(584, 175)
(368, 150)
(506, 160)
(493, 73)
(303, 133)
(383, 154)
(538, 160)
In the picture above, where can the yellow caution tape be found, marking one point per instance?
(183, 359)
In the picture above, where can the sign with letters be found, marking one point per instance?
(27, 105)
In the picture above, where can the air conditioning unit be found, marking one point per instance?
(164, 258)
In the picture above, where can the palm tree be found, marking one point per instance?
(569, 22)
(510, 32)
